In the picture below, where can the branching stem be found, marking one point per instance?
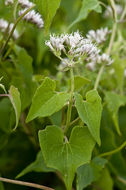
(25, 184)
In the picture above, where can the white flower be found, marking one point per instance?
(25, 3)
(99, 36)
(4, 25)
(91, 66)
(108, 11)
(73, 39)
(32, 17)
(125, 73)
(9, 2)
(15, 33)
(104, 58)
(86, 47)
(56, 43)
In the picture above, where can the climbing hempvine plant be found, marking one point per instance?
(69, 145)
(65, 148)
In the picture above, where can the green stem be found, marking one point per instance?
(123, 14)
(99, 77)
(108, 52)
(70, 102)
(11, 33)
(112, 38)
(113, 151)
(15, 10)
(113, 6)
(75, 121)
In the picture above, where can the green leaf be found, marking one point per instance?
(7, 116)
(66, 156)
(14, 96)
(48, 10)
(46, 101)
(90, 112)
(87, 7)
(114, 102)
(79, 82)
(105, 182)
(37, 166)
(89, 173)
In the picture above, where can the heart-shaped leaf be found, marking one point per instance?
(90, 112)
(86, 8)
(89, 173)
(37, 166)
(114, 102)
(46, 101)
(63, 155)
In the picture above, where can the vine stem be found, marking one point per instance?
(15, 10)
(25, 184)
(99, 77)
(108, 52)
(113, 151)
(11, 33)
(123, 14)
(70, 101)
(4, 95)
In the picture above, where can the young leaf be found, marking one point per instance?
(90, 112)
(114, 102)
(89, 173)
(87, 7)
(46, 101)
(16, 102)
(66, 156)
(79, 82)
(48, 10)
(37, 166)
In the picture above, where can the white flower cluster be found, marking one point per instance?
(4, 25)
(9, 2)
(32, 17)
(25, 3)
(77, 49)
(73, 45)
(108, 11)
(99, 36)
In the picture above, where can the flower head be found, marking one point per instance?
(104, 58)
(77, 49)
(32, 17)
(99, 36)
(9, 2)
(108, 11)
(25, 3)
(4, 25)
